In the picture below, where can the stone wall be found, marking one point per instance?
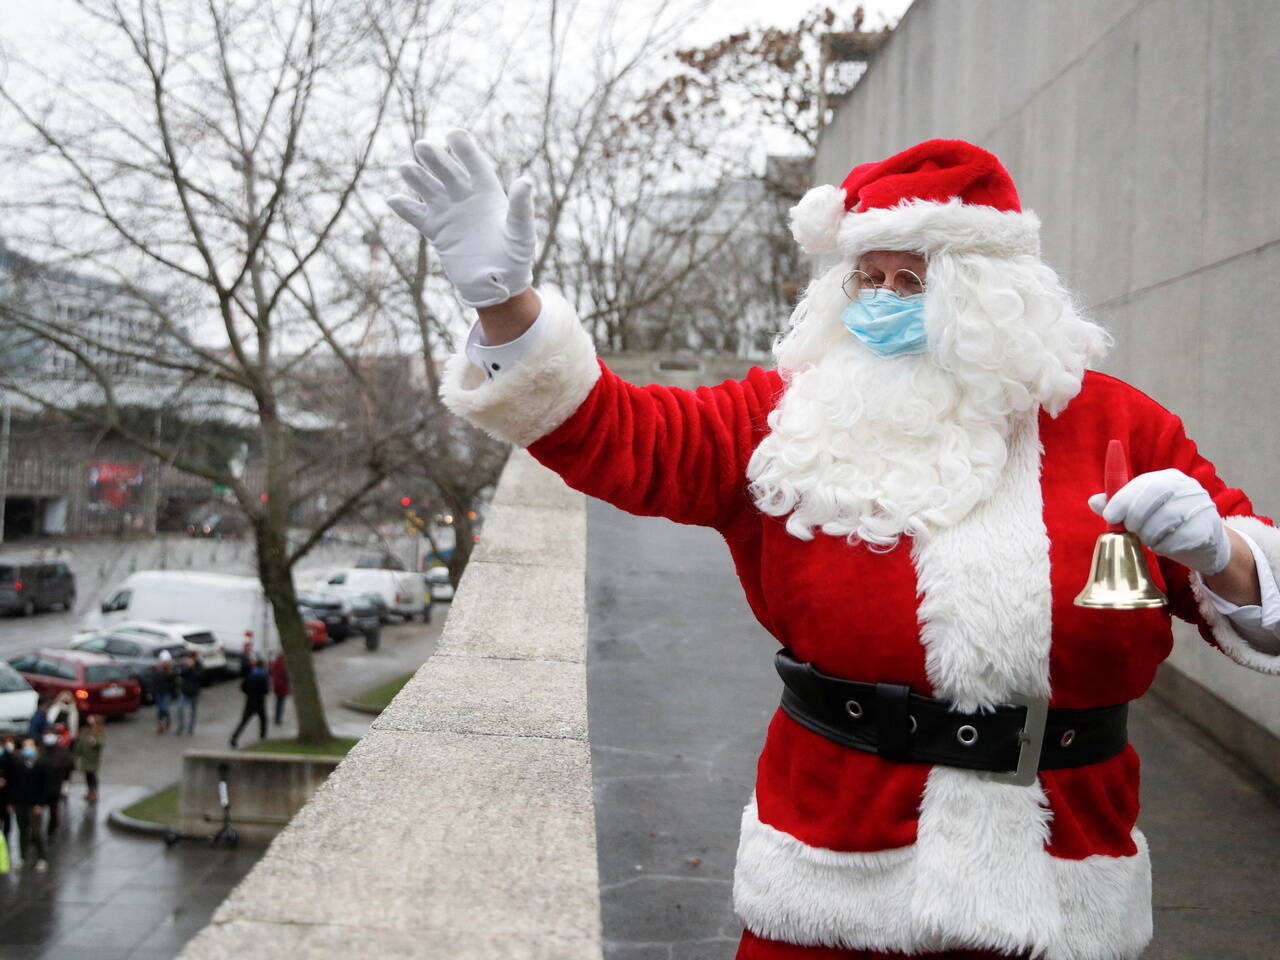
(1143, 132)
(462, 825)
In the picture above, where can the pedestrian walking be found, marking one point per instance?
(164, 686)
(57, 755)
(255, 685)
(88, 753)
(63, 711)
(28, 792)
(190, 683)
(40, 719)
(280, 685)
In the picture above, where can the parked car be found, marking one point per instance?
(190, 636)
(233, 608)
(28, 584)
(17, 701)
(139, 652)
(379, 561)
(316, 632)
(366, 611)
(217, 520)
(329, 611)
(402, 592)
(99, 684)
(441, 585)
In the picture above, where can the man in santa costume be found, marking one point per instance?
(911, 500)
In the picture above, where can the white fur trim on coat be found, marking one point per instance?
(927, 227)
(1097, 908)
(540, 392)
(978, 874)
(1228, 638)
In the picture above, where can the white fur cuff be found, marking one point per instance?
(1228, 638)
(539, 393)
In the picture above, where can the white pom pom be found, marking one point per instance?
(815, 220)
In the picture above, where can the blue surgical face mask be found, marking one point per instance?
(29, 752)
(888, 324)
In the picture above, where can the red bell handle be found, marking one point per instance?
(1115, 474)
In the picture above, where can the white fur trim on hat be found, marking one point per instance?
(540, 392)
(815, 220)
(926, 227)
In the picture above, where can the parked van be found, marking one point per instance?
(403, 592)
(29, 584)
(234, 609)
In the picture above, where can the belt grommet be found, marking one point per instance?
(912, 718)
(967, 735)
(1068, 738)
(853, 708)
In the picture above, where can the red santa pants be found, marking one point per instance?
(751, 947)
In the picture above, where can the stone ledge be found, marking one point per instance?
(470, 695)
(463, 824)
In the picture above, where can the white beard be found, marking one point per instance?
(869, 448)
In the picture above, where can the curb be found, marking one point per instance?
(131, 825)
(362, 708)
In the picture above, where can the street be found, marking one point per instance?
(126, 895)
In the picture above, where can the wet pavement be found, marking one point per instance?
(110, 895)
(680, 688)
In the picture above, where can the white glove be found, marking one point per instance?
(1173, 515)
(485, 241)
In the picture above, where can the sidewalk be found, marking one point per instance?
(681, 687)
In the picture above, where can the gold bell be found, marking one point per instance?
(1119, 578)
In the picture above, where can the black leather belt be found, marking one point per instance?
(1011, 743)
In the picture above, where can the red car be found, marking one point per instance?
(99, 684)
(317, 633)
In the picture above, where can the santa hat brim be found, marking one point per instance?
(821, 225)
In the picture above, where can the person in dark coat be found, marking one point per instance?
(256, 685)
(190, 683)
(88, 753)
(8, 752)
(57, 755)
(164, 686)
(280, 685)
(40, 719)
(28, 784)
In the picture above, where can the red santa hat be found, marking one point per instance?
(938, 196)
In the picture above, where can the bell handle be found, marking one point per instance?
(1115, 474)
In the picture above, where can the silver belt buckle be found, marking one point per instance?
(1030, 740)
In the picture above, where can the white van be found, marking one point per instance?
(403, 592)
(234, 609)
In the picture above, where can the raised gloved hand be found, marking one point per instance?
(1173, 515)
(484, 239)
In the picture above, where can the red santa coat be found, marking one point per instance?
(840, 847)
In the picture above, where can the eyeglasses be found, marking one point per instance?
(904, 283)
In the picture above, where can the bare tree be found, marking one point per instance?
(206, 164)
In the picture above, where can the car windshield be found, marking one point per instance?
(10, 681)
(204, 636)
(105, 672)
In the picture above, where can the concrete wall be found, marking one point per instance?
(265, 789)
(1144, 133)
(462, 825)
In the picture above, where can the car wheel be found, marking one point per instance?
(28, 608)
(69, 604)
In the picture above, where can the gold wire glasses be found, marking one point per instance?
(904, 283)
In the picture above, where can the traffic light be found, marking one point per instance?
(406, 501)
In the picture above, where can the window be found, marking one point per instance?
(49, 667)
(204, 637)
(105, 672)
(23, 664)
(122, 648)
(175, 652)
(338, 578)
(10, 682)
(94, 644)
(119, 602)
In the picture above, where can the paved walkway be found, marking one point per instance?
(680, 690)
